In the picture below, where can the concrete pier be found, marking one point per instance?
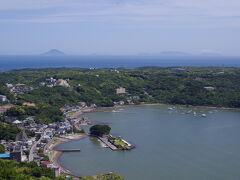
(113, 147)
(110, 145)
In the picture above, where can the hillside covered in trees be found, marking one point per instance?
(25, 171)
(189, 86)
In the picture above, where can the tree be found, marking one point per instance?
(2, 149)
(8, 132)
(100, 130)
(17, 111)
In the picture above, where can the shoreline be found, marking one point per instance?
(160, 104)
(54, 154)
(56, 141)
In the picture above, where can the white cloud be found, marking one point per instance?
(174, 11)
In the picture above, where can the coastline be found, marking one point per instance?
(56, 141)
(54, 154)
(159, 104)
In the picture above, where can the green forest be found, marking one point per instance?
(98, 86)
(25, 171)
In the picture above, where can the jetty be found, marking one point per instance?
(107, 143)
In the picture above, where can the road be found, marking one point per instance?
(33, 148)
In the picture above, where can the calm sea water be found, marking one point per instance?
(170, 145)
(20, 62)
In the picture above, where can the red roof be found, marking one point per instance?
(62, 109)
(29, 104)
(5, 107)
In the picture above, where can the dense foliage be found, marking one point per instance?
(8, 132)
(100, 130)
(117, 142)
(44, 114)
(150, 84)
(11, 170)
(2, 149)
(25, 171)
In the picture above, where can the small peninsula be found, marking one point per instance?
(102, 132)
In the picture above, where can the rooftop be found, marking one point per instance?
(4, 155)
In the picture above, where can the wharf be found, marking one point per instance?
(110, 145)
(113, 147)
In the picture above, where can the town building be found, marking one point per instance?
(3, 98)
(16, 153)
(5, 156)
(62, 82)
(9, 85)
(20, 89)
(210, 88)
(50, 80)
(29, 104)
(121, 90)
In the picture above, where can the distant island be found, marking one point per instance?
(54, 52)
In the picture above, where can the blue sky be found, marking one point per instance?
(120, 26)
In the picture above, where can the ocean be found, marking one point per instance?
(173, 144)
(21, 62)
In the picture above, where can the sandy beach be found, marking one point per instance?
(54, 155)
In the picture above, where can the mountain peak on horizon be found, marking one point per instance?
(54, 52)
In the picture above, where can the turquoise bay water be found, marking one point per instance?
(170, 145)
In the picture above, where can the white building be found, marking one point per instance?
(9, 85)
(3, 98)
(121, 90)
(63, 83)
(51, 80)
(209, 88)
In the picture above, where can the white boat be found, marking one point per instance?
(188, 112)
(114, 111)
(170, 108)
(204, 115)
